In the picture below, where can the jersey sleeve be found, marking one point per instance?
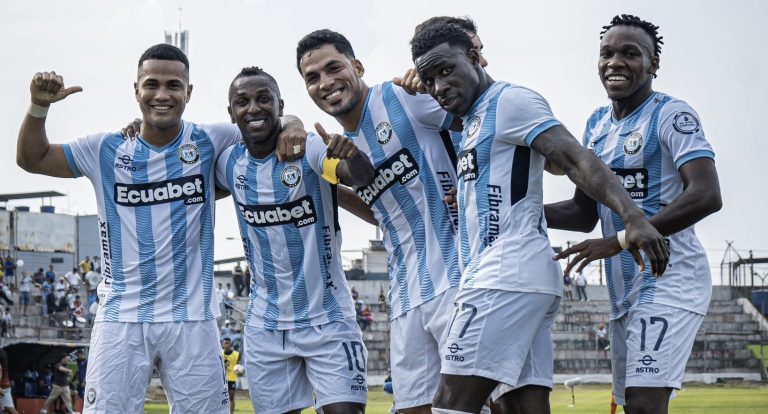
(681, 133)
(221, 169)
(319, 162)
(424, 110)
(522, 115)
(222, 135)
(83, 155)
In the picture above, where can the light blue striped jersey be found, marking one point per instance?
(645, 150)
(503, 240)
(289, 225)
(400, 134)
(156, 214)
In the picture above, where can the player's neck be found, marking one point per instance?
(261, 150)
(622, 108)
(159, 137)
(351, 119)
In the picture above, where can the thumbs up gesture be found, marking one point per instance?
(48, 87)
(339, 146)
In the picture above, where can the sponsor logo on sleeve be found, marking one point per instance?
(686, 123)
(299, 212)
(190, 190)
(399, 168)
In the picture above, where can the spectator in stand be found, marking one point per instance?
(50, 301)
(96, 264)
(10, 269)
(86, 265)
(355, 293)
(9, 325)
(50, 274)
(92, 309)
(5, 294)
(238, 278)
(45, 382)
(60, 385)
(61, 288)
(602, 337)
(228, 295)
(226, 329)
(77, 309)
(247, 280)
(6, 400)
(92, 280)
(25, 286)
(220, 297)
(568, 287)
(368, 316)
(382, 301)
(361, 321)
(74, 279)
(82, 367)
(581, 287)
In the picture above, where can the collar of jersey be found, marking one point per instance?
(166, 146)
(268, 158)
(637, 110)
(362, 115)
(479, 100)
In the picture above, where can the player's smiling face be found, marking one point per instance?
(333, 80)
(256, 108)
(450, 76)
(627, 64)
(162, 91)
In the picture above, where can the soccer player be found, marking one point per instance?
(510, 287)
(155, 200)
(414, 169)
(300, 335)
(231, 358)
(656, 146)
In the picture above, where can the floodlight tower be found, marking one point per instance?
(179, 39)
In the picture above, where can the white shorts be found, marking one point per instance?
(6, 400)
(284, 367)
(414, 348)
(502, 335)
(650, 346)
(187, 355)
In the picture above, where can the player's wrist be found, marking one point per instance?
(37, 110)
(622, 239)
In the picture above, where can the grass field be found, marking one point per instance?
(592, 399)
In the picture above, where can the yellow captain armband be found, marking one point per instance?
(329, 170)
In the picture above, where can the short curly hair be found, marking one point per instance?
(320, 38)
(630, 20)
(437, 34)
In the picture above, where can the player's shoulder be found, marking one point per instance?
(510, 93)
(601, 113)
(679, 113)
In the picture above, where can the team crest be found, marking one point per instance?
(291, 176)
(633, 143)
(383, 132)
(189, 154)
(474, 127)
(91, 396)
(686, 123)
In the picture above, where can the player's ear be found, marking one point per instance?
(473, 56)
(189, 92)
(136, 90)
(231, 115)
(359, 69)
(281, 107)
(654, 66)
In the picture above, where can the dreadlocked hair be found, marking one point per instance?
(648, 27)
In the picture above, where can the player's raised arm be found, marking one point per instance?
(354, 167)
(598, 182)
(33, 151)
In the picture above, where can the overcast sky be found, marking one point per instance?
(714, 57)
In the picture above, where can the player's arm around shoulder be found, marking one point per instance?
(33, 151)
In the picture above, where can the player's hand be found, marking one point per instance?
(291, 142)
(450, 198)
(132, 130)
(589, 251)
(339, 146)
(48, 87)
(410, 82)
(641, 235)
